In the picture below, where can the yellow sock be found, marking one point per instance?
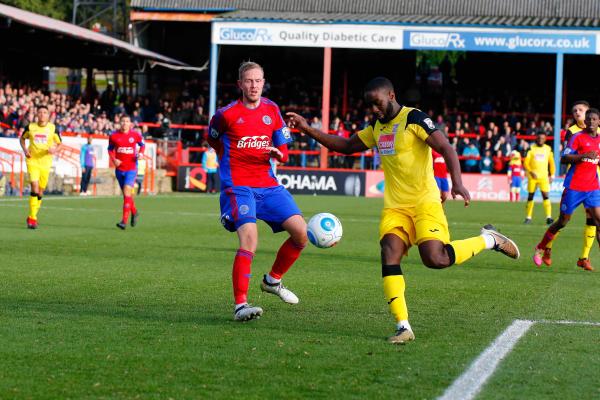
(393, 289)
(547, 208)
(529, 209)
(33, 208)
(589, 234)
(550, 243)
(467, 248)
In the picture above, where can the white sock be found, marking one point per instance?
(238, 306)
(489, 241)
(403, 324)
(271, 280)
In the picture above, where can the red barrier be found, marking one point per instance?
(14, 156)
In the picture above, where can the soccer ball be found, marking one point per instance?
(324, 230)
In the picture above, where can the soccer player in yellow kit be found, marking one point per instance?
(589, 232)
(413, 212)
(44, 141)
(540, 168)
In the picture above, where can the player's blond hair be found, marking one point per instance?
(247, 66)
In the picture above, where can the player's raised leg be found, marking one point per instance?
(286, 256)
(278, 209)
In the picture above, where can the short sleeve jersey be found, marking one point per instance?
(540, 160)
(241, 135)
(583, 176)
(405, 157)
(440, 170)
(41, 138)
(125, 146)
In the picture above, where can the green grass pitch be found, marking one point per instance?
(88, 311)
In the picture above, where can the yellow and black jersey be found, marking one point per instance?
(41, 138)
(573, 129)
(405, 157)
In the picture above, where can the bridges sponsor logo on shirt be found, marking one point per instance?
(125, 150)
(254, 142)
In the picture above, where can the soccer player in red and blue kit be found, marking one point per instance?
(440, 173)
(246, 134)
(581, 183)
(123, 152)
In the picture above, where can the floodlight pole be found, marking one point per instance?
(325, 104)
(558, 99)
(214, 65)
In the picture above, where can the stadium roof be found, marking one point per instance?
(514, 13)
(53, 42)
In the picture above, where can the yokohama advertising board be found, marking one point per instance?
(303, 181)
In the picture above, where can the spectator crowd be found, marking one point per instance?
(483, 138)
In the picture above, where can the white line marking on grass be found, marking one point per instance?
(566, 322)
(470, 383)
(105, 210)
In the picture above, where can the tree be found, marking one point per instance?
(59, 9)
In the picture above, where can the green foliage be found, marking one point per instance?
(89, 311)
(59, 9)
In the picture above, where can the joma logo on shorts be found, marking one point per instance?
(254, 142)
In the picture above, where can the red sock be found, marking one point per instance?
(548, 237)
(512, 196)
(241, 275)
(127, 202)
(517, 195)
(133, 209)
(287, 254)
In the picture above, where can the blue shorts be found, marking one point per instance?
(516, 182)
(126, 177)
(442, 184)
(571, 199)
(243, 204)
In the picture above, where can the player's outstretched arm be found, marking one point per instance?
(332, 142)
(439, 143)
(576, 158)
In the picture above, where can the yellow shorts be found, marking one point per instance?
(415, 225)
(38, 171)
(543, 184)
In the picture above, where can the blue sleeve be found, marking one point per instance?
(281, 134)
(82, 155)
(215, 127)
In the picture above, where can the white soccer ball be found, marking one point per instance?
(324, 230)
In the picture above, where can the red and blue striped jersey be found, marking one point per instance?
(241, 136)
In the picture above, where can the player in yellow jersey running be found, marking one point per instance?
(44, 141)
(540, 168)
(412, 212)
(589, 231)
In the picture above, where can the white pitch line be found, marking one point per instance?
(566, 322)
(470, 383)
